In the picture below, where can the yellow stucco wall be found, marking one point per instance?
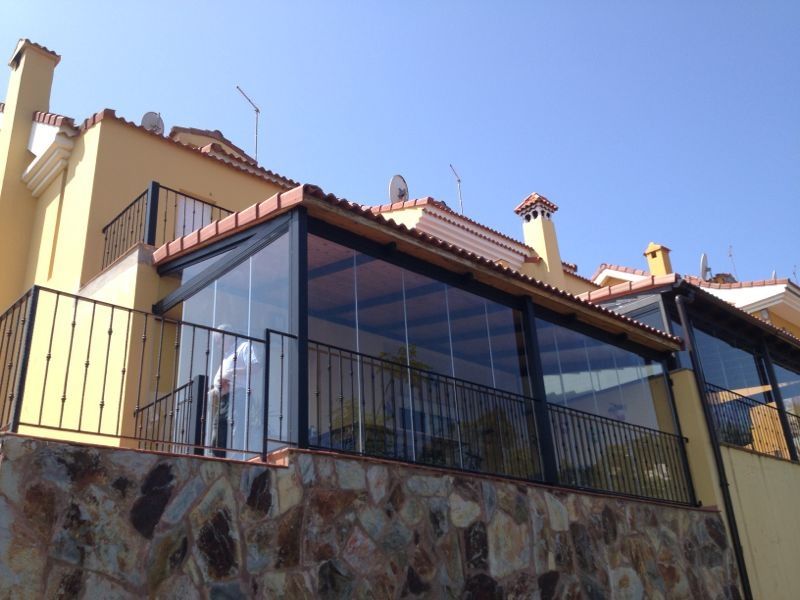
(765, 493)
(793, 328)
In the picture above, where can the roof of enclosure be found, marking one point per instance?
(363, 221)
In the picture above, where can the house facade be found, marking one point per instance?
(418, 393)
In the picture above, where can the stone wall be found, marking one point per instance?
(81, 521)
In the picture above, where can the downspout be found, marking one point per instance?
(688, 334)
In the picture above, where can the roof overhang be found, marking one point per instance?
(362, 221)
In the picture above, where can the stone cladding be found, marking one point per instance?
(80, 521)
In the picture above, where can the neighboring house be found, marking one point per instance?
(744, 356)
(167, 297)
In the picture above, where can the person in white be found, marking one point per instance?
(232, 411)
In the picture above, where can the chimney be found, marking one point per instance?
(539, 233)
(32, 67)
(658, 262)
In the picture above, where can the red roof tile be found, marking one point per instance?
(24, 43)
(533, 199)
(737, 285)
(623, 269)
(215, 134)
(255, 171)
(283, 201)
(54, 119)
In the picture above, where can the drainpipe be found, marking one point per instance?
(688, 334)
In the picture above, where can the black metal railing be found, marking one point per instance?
(157, 216)
(13, 350)
(377, 407)
(751, 424)
(100, 372)
(596, 452)
(80, 365)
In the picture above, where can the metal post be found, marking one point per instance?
(778, 397)
(267, 366)
(700, 380)
(546, 449)
(151, 216)
(198, 409)
(299, 304)
(24, 351)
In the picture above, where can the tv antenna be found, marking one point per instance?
(257, 111)
(458, 184)
(398, 189)
(733, 263)
(152, 121)
(705, 270)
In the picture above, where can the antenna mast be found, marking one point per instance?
(458, 183)
(257, 111)
(733, 263)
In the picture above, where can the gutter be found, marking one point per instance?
(688, 335)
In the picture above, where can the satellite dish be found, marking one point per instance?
(152, 121)
(398, 189)
(704, 268)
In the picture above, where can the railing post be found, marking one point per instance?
(267, 366)
(151, 217)
(778, 397)
(546, 449)
(24, 352)
(197, 420)
(299, 303)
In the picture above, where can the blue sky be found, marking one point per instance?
(677, 122)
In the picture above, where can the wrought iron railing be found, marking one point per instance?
(600, 453)
(102, 371)
(156, 216)
(97, 372)
(377, 407)
(751, 424)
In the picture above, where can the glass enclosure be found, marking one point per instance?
(228, 353)
(406, 366)
(584, 373)
(401, 362)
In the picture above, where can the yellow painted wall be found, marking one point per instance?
(765, 493)
(128, 159)
(793, 328)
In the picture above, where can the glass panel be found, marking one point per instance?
(587, 374)
(730, 366)
(331, 293)
(240, 305)
(193, 270)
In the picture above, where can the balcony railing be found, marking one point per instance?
(156, 216)
(750, 424)
(377, 407)
(86, 370)
(595, 452)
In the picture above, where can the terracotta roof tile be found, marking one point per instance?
(215, 134)
(623, 269)
(732, 286)
(628, 287)
(283, 201)
(24, 43)
(220, 149)
(54, 119)
(255, 171)
(428, 201)
(533, 199)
